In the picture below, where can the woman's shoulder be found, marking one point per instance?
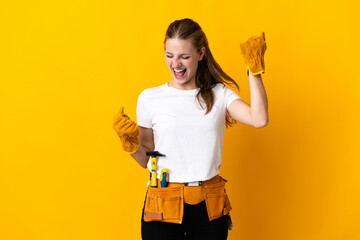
(222, 87)
(219, 87)
(222, 90)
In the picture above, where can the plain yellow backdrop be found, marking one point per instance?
(68, 66)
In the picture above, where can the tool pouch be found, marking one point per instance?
(167, 204)
(217, 200)
(164, 204)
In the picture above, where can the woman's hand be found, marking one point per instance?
(253, 51)
(127, 130)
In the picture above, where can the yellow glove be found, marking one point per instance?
(253, 51)
(127, 130)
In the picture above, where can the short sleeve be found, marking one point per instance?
(230, 96)
(142, 112)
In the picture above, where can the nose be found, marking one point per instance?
(176, 63)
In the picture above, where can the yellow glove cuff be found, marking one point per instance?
(135, 149)
(256, 73)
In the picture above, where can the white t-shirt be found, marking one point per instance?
(191, 141)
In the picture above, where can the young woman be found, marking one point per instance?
(185, 120)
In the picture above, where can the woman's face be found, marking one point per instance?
(182, 60)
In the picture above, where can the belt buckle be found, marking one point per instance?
(193, 184)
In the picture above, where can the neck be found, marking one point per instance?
(186, 86)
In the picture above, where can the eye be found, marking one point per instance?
(168, 56)
(186, 57)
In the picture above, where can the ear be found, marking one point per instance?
(202, 53)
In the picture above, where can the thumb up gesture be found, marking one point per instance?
(127, 130)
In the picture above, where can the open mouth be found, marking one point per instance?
(179, 73)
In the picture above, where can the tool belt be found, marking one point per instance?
(167, 204)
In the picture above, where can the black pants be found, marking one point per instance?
(195, 226)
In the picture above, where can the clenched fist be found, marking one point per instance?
(253, 51)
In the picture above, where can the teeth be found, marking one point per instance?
(179, 70)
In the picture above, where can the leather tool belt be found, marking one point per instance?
(167, 204)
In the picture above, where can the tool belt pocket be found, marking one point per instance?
(164, 204)
(217, 200)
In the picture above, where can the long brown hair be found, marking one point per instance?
(209, 72)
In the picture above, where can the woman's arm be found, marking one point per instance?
(146, 143)
(255, 115)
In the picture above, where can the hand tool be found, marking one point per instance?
(153, 155)
(164, 177)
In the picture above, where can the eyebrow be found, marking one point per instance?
(180, 54)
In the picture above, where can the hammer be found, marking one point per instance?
(153, 155)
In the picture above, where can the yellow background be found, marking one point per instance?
(67, 67)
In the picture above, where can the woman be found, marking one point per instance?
(185, 120)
